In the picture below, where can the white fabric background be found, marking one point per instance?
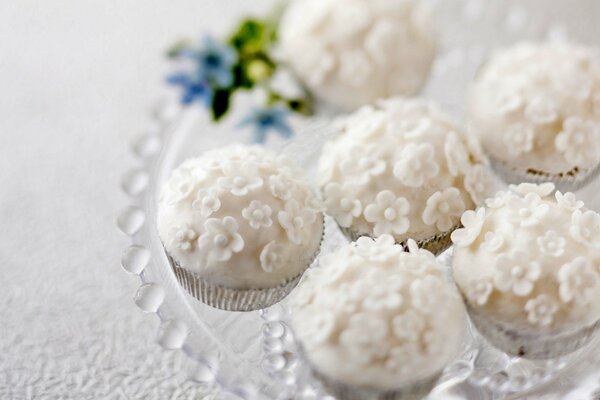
(77, 78)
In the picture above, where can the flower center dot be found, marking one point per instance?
(221, 240)
(239, 181)
(346, 204)
(258, 214)
(389, 214)
(525, 213)
(444, 207)
(517, 272)
(298, 222)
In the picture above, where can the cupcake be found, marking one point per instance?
(536, 108)
(351, 53)
(527, 265)
(375, 322)
(402, 168)
(240, 225)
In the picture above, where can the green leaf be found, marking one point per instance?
(220, 103)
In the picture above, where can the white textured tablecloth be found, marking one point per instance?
(77, 78)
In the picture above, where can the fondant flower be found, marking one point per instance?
(427, 294)
(295, 219)
(182, 237)
(457, 156)
(313, 56)
(408, 326)
(314, 203)
(527, 211)
(541, 111)
(519, 139)
(207, 202)
(339, 205)
(579, 142)
(354, 68)
(477, 183)
(281, 186)
(365, 123)
(363, 163)
(385, 291)
(576, 84)
(180, 185)
(221, 239)
(380, 249)
(507, 102)
(215, 62)
(542, 190)
(272, 257)
(541, 310)
(472, 222)
(388, 213)
(479, 291)
(552, 244)
(382, 40)
(515, 273)
(577, 278)
(585, 227)
(363, 338)
(443, 209)
(416, 164)
(317, 324)
(499, 200)
(493, 242)
(568, 201)
(258, 215)
(240, 178)
(398, 356)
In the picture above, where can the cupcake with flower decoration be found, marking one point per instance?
(239, 225)
(528, 266)
(402, 168)
(351, 53)
(536, 108)
(373, 321)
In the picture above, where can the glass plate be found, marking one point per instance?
(253, 355)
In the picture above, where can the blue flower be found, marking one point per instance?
(215, 61)
(266, 119)
(193, 87)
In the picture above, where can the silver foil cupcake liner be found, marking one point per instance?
(231, 299)
(565, 182)
(436, 244)
(530, 345)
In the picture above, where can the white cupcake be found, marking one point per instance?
(353, 52)
(402, 168)
(536, 108)
(374, 321)
(528, 268)
(240, 225)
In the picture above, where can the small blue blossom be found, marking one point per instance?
(215, 61)
(193, 88)
(266, 119)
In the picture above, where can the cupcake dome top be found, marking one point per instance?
(375, 316)
(538, 106)
(241, 216)
(401, 168)
(531, 259)
(353, 52)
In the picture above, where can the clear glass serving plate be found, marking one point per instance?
(253, 355)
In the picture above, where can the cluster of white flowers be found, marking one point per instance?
(550, 254)
(537, 104)
(401, 168)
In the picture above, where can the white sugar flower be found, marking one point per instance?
(365, 123)
(295, 219)
(515, 273)
(182, 237)
(354, 68)
(258, 215)
(240, 178)
(380, 249)
(398, 358)
(180, 185)
(478, 183)
(428, 293)
(498, 201)
(314, 203)
(493, 242)
(579, 142)
(443, 209)
(221, 239)
(272, 257)
(519, 139)
(207, 202)
(339, 205)
(507, 102)
(385, 291)
(281, 186)
(316, 58)
(317, 324)
(363, 339)
(457, 155)
(472, 222)
(479, 291)
(363, 163)
(552, 244)
(420, 260)
(416, 164)
(542, 190)
(408, 325)
(568, 201)
(585, 227)
(527, 211)
(541, 111)
(388, 213)
(382, 40)
(577, 279)
(541, 310)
